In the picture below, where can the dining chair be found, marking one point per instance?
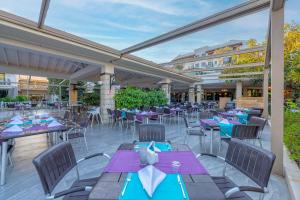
(110, 116)
(132, 121)
(79, 130)
(253, 113)
(193, 129)
(168, 114)
(240, 155)
(205, 115)
(95, 115)
(261, 122)
(54, 164)
(243, 132)
(118, 118)
(151, 132)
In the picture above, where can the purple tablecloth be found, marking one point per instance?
(175, 110)
(31, 131)
(208, 123)
(129, 161)
(140, 116)
(226, 114)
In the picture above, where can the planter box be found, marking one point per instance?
(292, 175)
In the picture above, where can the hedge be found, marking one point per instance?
(292, 134)
(132, 97)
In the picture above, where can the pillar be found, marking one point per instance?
(183, 97)
(277, 87)
(199, 93)
(239, 89)
(192, 94)
(166, 88)
(107, 91)
(72, 94)
(266, 93)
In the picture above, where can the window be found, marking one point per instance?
(197, 65)
(210, 64)
(2, 76)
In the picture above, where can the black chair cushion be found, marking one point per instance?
(82, 195)
(225, 184)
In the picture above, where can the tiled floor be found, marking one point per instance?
(23, 182)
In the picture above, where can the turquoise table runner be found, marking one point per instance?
(242, 118)
(29, 122)
(161, 145)
(169, 188)
(226, 129)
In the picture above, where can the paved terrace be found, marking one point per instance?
(23, 182)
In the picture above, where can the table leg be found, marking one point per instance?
(64, 136)
(211, 140)
(3, 162)
(147, 120)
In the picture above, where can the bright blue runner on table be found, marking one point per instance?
(161, 145)
(169, 188)
(242, 118)
(226, 129)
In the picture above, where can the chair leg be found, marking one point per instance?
(10, 160)
(86, 145)
(185, 138)
(260, 143)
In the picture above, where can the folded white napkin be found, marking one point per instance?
(45, 115)
(17, 117)
(50, 119)
(224, 121)
(16, 122)
(54, 124)
(14, 128)
(239, 113)
(150, 178)
(152, 147)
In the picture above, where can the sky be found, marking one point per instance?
(122, 23)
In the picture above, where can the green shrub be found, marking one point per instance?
(91, 99)
(132, 97)
(292, 134)
(7, 99)
(21, 98)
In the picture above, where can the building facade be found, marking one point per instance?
(208, 70)
(8, 85)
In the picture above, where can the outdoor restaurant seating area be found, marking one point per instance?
(149, 100)
(190, 142)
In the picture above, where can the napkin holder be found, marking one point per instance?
(148, 156)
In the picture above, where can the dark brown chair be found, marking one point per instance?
(254, 162)
(261, 122)
(151, 132)
(253, 113)
(54, 163)
(193, 129)
(242, 132)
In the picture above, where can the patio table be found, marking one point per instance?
(177, 112)
(196, 182)
(29, 131)
(212, 125)
(140, 116)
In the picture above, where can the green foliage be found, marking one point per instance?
(21, 98)
(292, 134)
(91, 99)
(17, 99)
(7, 99)
(132, 97)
